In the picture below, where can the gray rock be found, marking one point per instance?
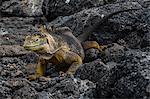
(16, 89)
(65, 88)
(118, 73)
(13, 50)
(119, 77)
(13, 29)
(129, 78)
(133, 40)
(114, 53)
(5, 92)
(25, 93)
(133, 85)
(92, 71)
(83, 21)
(146, 40)
(102, 74)
(144, 3)
(21, 8)
(122, 26)
(52, 8)
(91, 54)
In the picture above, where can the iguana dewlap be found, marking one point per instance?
(59, 47)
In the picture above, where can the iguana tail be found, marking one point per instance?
(89, 31)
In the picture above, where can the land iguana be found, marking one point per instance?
(60, 47)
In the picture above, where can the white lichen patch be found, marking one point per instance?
(67, 1)
(148, 57)
(3, 31)
(32, 6)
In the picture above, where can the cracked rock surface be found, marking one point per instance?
(120, 71)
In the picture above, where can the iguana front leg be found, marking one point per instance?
(40, 69)
(75, 60)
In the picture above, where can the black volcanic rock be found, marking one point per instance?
(21, 8)
(130, 26)
(53, 8)
(121, 71)
(129, 77)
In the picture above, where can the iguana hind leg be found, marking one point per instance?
(90, 44)
(92, 50)
(93, 44)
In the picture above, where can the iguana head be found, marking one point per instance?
(35, 43)
(44, 42)
(41, 43)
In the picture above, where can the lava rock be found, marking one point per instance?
(133, 40)
(52, 8)
(65, 88)
(143, 3)
(17, 89)
(5, 92)
(92, 71)
(25, 92)
(114, 53)
(104, 75)
(129, 78)
(84, 21)
(14, 29)
(134, 85)
(124, 26)
(91, 54)
(146, 40)
(8, 51)
(21, 8)
(120, 72)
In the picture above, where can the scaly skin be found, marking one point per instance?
(59, 47)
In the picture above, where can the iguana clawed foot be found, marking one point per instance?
(32, 77)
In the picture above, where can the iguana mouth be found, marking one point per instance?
(29, 47)
(33, 48)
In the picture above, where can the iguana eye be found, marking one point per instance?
(37, 40)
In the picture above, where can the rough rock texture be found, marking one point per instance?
(21, 7)
(13, 83)
(52, 8)
(84, 20)
(121, 70)
(67, 88)
(19, 88)
(146, 40)
(96, 68)
(10, 50)
(13, 29)
(128, 77)
(144, 3)
(132, 75)
(130, 26)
